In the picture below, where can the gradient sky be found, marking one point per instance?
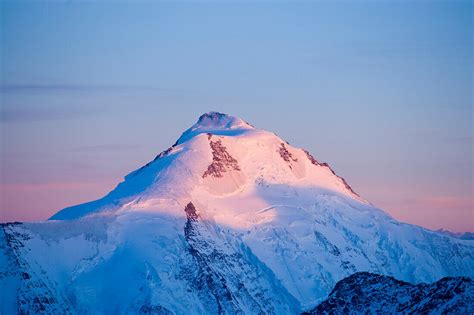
(380, 90)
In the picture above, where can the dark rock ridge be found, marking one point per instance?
(365, 292)
(222, 161)
(315, 162)
(286, 155)
(311, 158)
(221, 274)
(34, 294)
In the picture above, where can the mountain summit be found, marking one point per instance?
(219, 156)
(229, 219)
(216, 123)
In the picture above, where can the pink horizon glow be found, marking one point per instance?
(40, 201)
(433, 212)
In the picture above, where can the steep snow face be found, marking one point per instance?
(230, 218)
(363, 292)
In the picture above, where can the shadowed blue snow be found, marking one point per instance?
(381, 90)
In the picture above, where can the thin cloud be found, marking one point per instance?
(50, 186)
(104, 147)
(83, 88)
(35, 114)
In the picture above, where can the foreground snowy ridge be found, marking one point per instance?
(230, 219)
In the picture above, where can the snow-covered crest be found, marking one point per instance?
(241, 158)
(219, 120)
(216, 123)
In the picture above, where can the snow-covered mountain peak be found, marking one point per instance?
(221, 121)
(216, 123)
(229, 220)
(221, 160)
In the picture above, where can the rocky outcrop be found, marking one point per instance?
(36, 293)
(315, 162)
(286, 155)
(223, 277)
(311, 158)
(222, 161)
(366, 292)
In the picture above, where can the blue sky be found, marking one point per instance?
(380, 90)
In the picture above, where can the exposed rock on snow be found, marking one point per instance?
(222, 161)
(24, 291)
(223, 278)
(311, 158)
(286, 155)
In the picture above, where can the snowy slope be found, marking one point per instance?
(230, 218)
(378, 294)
